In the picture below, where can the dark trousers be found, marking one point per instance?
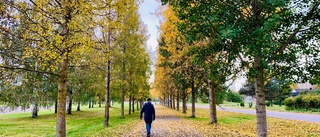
(148, 126)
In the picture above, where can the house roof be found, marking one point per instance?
(299, 90)
(295, 93)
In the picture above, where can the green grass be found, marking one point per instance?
(236, 119)
(87, 122)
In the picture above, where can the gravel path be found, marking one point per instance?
(165, 125)
(284, 115)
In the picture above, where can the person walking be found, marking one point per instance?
(149, 115)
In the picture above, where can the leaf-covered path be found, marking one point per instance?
(166, 124)
(171, 123)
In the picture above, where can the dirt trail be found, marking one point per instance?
(165, 125)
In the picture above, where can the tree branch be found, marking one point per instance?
(27, 69)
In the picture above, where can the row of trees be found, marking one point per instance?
(62, 51)
(185, 68)
(212, 41)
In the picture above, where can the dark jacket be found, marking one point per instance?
(149, 112)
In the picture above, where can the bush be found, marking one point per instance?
(267, 103)
(305, 101)
(234, 97)
(204, 98)
(242, 104)
(289, 102)
(278, 102)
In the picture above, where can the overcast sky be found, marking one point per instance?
(147, 10)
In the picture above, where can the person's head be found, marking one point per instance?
(149, 100)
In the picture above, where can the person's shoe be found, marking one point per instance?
(148, 134)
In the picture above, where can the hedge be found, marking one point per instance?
(305, 101)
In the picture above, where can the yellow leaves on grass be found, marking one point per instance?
(172, 123)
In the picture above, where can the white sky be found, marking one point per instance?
(147, 10)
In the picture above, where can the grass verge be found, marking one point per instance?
(88, 122)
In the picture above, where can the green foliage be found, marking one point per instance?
(220, 96)
(242, 104)
(268, 103)
(204, 98)
(305, 101)
(310, 92)
(234, 97)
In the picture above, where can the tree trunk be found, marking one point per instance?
(122, 103)
(78, 108)
(37, 110)
(107, 96)
(89, 103)
(174, 102)
(178, 100)
(130, 103)
(184, 102)
(193, 98)
(69, 102)
(137, 104)
(62, 90)
(280, 102)
(108, 78)
(262, 130)
(92, 103)
(123, 82)
(170, 99)
(34, 112)
(56, 106)
(99, 104)
(212, 99)
(260, 105)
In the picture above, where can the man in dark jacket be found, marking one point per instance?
(149, 115)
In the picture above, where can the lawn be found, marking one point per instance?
(87, 122)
